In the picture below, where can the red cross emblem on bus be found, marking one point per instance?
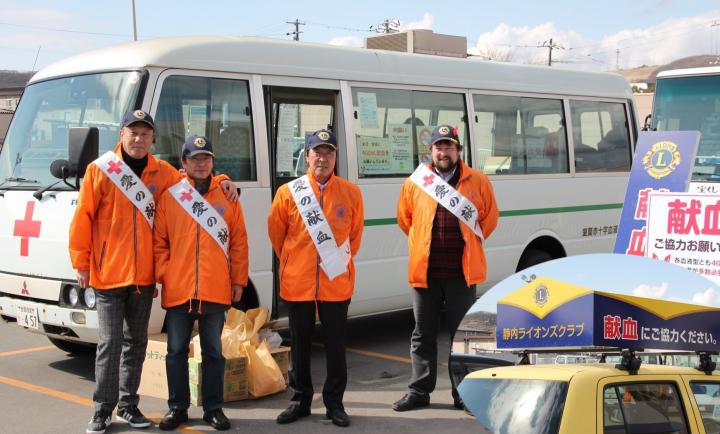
(185, 195)
(114, 166)
(24, 290)
(428, 180)
(27, 228)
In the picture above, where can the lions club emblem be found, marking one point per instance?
(662, 159)
(324, 135)
(200, 142)
(444, 130)
(541, 295)
(139, 114)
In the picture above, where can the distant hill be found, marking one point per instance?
(647, 74)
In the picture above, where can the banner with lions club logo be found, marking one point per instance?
(548, 313)
(663, 162)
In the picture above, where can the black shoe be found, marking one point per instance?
(458, 403)
(99, 422)
(338, 416)
(294, 412)
(173, 419)
(410, 402)
(132, 415)
(217, 419)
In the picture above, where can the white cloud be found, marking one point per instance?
(651, 291)
(426, 22)
(347, 41)
(654, 45)
(709, 297)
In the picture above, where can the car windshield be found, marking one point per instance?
(518, 406)
(38, 134)
(692, 103)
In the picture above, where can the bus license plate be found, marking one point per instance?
(27, 316)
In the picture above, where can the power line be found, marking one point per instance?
(61, 30)
(349, 29)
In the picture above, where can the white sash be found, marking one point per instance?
(333, 259)
(444, 194)
(202, 212)
(128, 183)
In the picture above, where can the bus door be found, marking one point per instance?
(293, 114)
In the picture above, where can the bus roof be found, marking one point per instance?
(289, 58)
(708, 70)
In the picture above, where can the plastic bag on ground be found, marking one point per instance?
(264, 375)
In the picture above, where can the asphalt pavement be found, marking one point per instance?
(44, 390)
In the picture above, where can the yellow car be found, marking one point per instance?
(593, 398)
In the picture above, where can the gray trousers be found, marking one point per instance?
(123, 317)
(457, 298)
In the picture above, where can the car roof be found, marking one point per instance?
(565, 372)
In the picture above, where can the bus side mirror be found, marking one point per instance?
(83, 146)
(646, 126)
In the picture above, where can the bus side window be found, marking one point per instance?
(213, 107)
(512, 135)
(600, 133)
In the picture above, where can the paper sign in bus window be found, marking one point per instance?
(367, 110)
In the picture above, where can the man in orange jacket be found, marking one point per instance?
(447, 210)
(201, 260)
(315, 226)
(110, 244)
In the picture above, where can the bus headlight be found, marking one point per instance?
(73, 296)
(89, 297)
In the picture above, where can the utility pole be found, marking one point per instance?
(296, 32)
(617, 59)
(550, 46)
(713, 44)
(134, 21)
(387, 26)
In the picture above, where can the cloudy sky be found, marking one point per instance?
(588, 35)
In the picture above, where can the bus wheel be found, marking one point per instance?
(74, 348)
(533, 257)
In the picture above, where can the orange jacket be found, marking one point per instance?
(415, 216)
(108, 235)
(188, 261)
(301, 278)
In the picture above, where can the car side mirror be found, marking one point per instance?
(83, 146)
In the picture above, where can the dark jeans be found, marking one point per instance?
(457, 298)
(179, 330)
(123, 315)
(333, 316)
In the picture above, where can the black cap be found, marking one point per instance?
(445, 132)
(195, 145)
(321, 137)
(134, 116)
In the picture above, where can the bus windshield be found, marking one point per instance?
(692, 103)
(38, 134)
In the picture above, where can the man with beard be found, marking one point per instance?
(447, 210)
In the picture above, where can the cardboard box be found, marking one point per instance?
(282, 358)
(235, 383)
(153, 381)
